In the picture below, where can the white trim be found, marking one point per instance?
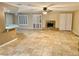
(75, 32)
(8, 42)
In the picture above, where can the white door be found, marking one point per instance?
(68, 21)
(62, 22)
(37, 21)
(65, 21)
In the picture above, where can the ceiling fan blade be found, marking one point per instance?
(50, 5)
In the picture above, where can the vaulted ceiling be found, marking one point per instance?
(38, 6)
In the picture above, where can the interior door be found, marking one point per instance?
(68, 21)
(62, 21)
(37, 21)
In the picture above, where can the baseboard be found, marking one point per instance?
(8, 42)
(75, 33)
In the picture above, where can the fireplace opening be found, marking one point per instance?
(51, 24)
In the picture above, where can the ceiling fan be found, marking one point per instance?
(44, 8)
(40, 7)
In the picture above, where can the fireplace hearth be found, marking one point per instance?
(50, 24)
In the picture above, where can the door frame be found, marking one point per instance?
(33, 21)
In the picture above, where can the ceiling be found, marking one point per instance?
(26, 7)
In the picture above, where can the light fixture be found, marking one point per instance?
(44, 10)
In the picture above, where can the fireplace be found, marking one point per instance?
(50, 24)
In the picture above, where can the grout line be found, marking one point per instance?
(8, 42)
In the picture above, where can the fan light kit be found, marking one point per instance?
(45, 10)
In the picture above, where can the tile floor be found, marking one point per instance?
(42, 43)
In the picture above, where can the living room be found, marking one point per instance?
(39, 28)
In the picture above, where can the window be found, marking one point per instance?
(9, 18)
(22, 19)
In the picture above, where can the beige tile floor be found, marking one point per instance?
(7, 36)
(42, 43)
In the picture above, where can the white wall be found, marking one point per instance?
(30, 21)
(76, 23)
(49, 16)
